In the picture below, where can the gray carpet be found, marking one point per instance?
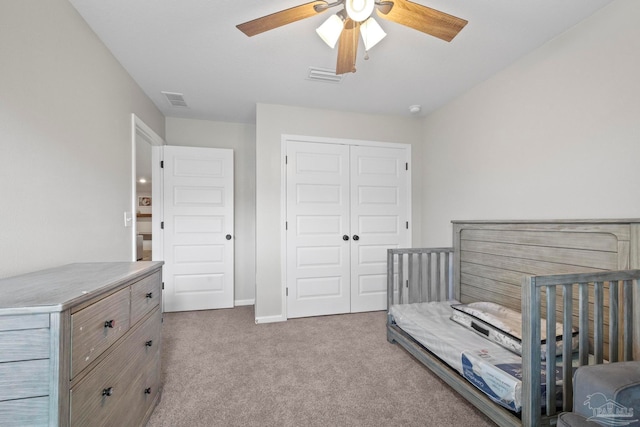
(221, 369)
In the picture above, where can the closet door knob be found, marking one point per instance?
(228, 237)
(356, 237)
(149, 343)
(345, 237)
(149, 295)
(107, 391)
(109, 323)
(147, 390)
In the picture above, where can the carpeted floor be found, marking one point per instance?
(221, 369)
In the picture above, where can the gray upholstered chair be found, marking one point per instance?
(605, 395)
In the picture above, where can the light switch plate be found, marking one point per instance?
(128, 219)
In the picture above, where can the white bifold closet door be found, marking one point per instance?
(346, 205)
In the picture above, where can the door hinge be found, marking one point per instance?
(286, 160)
(407, 283)
(162, 285)
(287, 291)
(406, 166)
(162, 225)
(286, 225)
(162, 163)
(407, 225)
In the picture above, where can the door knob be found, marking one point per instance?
(228, 237)
(345, 237)
(356, 237)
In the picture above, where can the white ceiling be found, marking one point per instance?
(193, 47)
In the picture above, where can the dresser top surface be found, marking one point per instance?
(58, 288)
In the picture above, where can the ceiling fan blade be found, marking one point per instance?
(425, 19)
(348, 47)
(284, 17)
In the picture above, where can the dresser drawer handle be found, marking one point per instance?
(149, 343)
(149, 295)
(109, 323)
(147, 390)
(107, 391)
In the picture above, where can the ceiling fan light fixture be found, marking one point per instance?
(371, 33)
(330, 30)
(359, 10)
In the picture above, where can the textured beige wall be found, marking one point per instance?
(65, 140)
(273, 121)
(241, 138)
(555, 135)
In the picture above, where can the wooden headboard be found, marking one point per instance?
(492, 257)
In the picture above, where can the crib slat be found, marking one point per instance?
(551, 350)
(628, 319)
(598, 316)
(438, 281)
(447, 278)
(531, 364)
(401, 278)
(583, 325)
(420, 278)
(429, 272)
(410, 278)
(390, 273)
(613, 321)
(567, 374)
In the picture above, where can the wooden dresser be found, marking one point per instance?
(80, 345)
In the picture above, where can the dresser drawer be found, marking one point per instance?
(100, 397)
(142, 394)
(24, 345)
(21, 322)
(25, 412)
(19, 380)
(145, 295)
(96, 327)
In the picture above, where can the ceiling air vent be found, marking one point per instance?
(324, 75)
(175, 99)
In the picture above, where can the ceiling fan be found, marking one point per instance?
(342, 28)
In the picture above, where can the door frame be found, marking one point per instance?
(141, 132)
(285, 139)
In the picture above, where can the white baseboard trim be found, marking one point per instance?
(240, 302)
(270, 319)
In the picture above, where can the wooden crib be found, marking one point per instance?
(581, 273)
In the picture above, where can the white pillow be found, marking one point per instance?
(504, 326)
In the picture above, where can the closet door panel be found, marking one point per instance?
(317, 219)
(379, 214)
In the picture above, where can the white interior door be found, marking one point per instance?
(198, 228)
(346, 205)
(318, 270)
(379, 220)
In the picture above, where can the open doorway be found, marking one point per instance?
(143, 212)
(143, 139)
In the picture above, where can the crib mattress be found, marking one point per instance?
(494, 370)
